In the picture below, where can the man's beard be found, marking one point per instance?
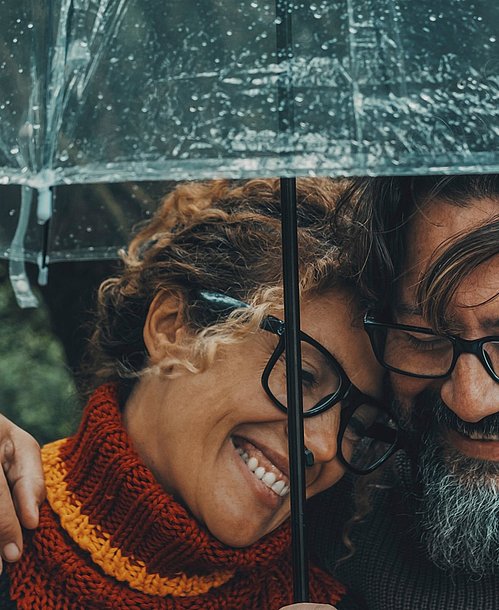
(459, 515)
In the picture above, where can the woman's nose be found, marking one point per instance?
(321, 435)
(470, 391)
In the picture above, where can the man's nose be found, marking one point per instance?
(470, 391)
(321, 435)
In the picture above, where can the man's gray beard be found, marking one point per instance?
(459, 514)
(460, 510)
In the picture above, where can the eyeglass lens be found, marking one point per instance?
(426, 354)
(418, 353)
(491, 354)
(369, 436)
(320, 379)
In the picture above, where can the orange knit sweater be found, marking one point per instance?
(111, 538)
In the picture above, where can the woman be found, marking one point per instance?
(174, 492)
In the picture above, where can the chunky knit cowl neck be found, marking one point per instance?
(111, 538)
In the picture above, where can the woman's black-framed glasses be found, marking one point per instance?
(419, 352)
(367, 436)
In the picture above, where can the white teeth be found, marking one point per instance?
(259, 472)
(278, 486)
(483, 437)
(252, 464)
(269, 478)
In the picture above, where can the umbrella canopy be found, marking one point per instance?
(114, 90)
(121, 90)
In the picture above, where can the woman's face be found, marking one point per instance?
(217, 442)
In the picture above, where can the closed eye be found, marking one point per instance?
(432, 343)
(308, 378)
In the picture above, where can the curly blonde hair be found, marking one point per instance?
(219, 236)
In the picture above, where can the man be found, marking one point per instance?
(429, 537)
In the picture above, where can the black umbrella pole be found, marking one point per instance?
(294, 388)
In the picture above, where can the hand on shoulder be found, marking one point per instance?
(22, 488)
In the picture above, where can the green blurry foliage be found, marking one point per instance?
(36, 387)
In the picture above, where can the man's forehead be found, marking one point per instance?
(459, 317)
(438, 222)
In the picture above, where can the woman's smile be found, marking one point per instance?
(271, 483)
(217, 442)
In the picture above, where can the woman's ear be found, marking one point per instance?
(164, 327)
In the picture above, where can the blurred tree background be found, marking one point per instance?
(41, 348)
(37, 389)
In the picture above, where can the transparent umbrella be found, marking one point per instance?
(99, 91)
(113, 91)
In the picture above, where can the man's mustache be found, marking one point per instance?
(431, 412)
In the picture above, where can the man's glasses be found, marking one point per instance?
(368, 435)
(419, 352)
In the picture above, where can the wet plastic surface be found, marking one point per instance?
(114, 90)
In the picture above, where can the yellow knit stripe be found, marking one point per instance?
(93, 539)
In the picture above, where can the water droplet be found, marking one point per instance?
(432, 17)
(492, 39)
(109, 107)
(12, 212)
(64, 156)
(14, 150)
(30, 26)
(229, 33)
